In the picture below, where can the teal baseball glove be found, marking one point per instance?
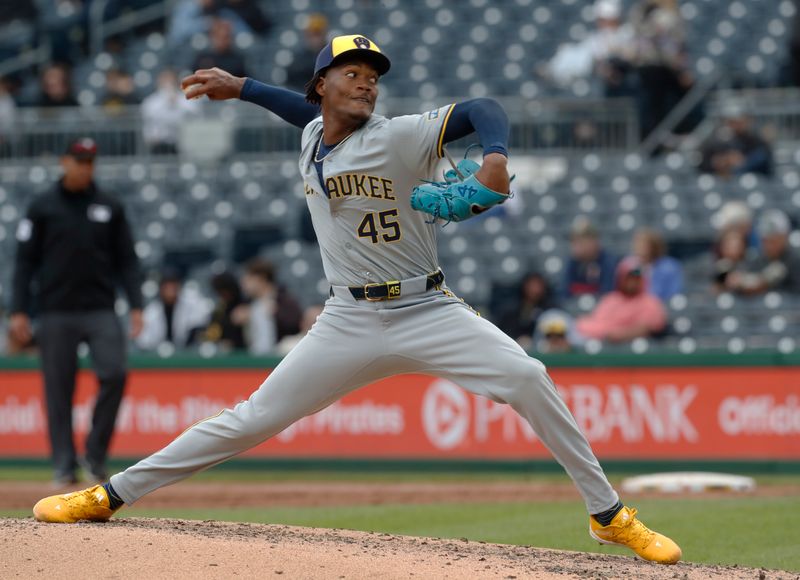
(461, 171)
(459, 197)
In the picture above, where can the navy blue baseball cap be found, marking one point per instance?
(340, 46)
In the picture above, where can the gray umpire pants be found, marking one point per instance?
(59, 335)
(354, 343)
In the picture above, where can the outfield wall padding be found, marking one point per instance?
(645, 407)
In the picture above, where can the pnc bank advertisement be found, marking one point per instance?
(626, 413)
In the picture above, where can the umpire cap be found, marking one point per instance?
(83, 149)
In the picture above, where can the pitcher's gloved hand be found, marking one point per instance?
(460, 196)
(456, 201)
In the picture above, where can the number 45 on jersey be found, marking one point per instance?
(380, 226)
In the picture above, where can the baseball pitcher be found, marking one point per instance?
(370, 186)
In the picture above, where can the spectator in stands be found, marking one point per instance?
(736, 148)
(164, 112)
(176, 315)
(555, 332)
(222, 330)
(776, 267)
(289, 341)
(535, 297)
(663, 274)
(76, 244)
(606, 53)
(221, 53)
(315, 37)
(590, 269)
(56, 87)
(272, 313)
(660, 58)
(736, 215)
(120, 91)
(628, 312)
(731, 251)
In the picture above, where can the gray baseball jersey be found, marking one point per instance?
(366, 228)
(368, 232)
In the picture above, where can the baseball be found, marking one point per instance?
(189, 88)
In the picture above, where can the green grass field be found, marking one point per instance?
(752, 531)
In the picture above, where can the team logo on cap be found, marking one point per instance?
(361, 42)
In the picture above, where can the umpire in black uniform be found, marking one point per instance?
(75, 248)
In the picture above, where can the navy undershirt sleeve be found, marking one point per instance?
(290, 106)
(483, 116)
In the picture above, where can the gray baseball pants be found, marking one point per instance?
(354, 343)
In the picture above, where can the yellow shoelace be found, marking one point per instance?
(633, 528)
(88, 493)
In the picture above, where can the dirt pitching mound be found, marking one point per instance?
(160, 548)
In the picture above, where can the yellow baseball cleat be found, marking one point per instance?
(89, 504)
(626, 530)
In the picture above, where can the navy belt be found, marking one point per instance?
(390, 290)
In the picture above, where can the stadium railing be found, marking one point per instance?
(778, 109)
(568, 125)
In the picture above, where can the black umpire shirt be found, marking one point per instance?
(78, 245)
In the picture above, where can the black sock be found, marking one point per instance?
(113, 499)
(605, 517)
